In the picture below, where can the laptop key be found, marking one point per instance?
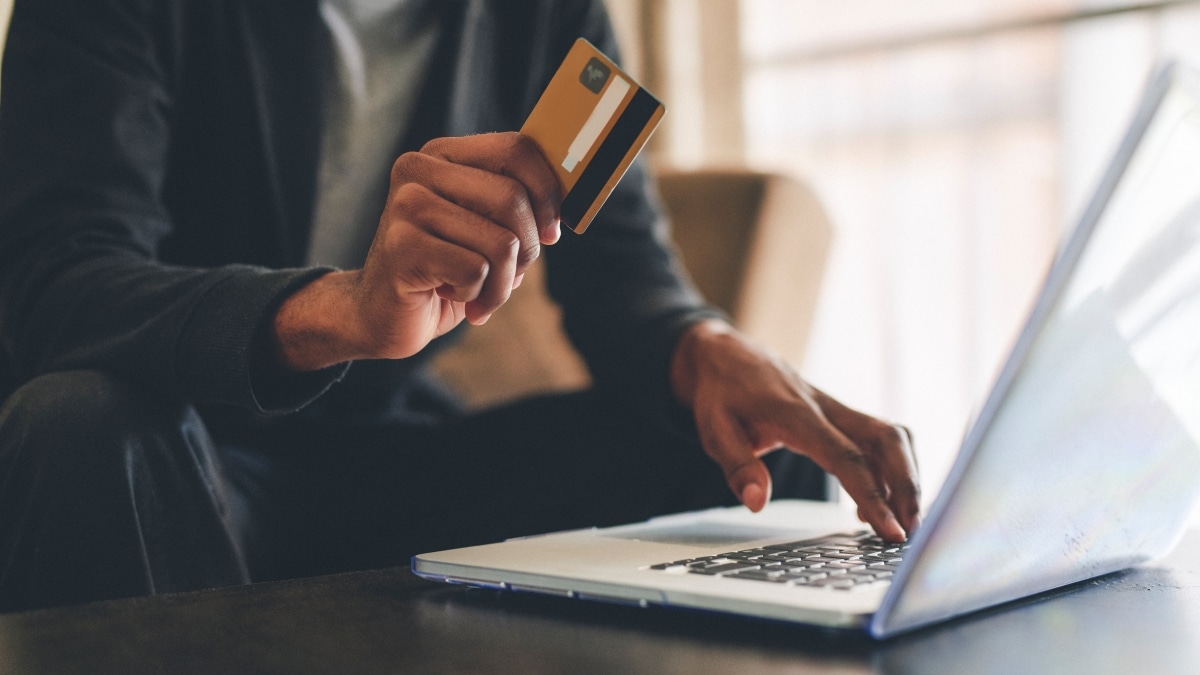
(759, 575)
(833, 582)
(723, 568)
(675, 563)
(807, 579)
(669, 566)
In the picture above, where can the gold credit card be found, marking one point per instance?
(591, 122)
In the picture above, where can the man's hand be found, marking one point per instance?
(747, 403)
(464, 219)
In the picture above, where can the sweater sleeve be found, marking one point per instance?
(85, 129)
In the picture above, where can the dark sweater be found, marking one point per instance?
(157, 173)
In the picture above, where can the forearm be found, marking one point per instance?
(185, 331)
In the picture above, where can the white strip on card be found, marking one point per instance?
(596, 122)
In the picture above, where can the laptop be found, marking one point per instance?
(1083, 460)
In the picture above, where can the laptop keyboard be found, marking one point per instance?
(840, 562)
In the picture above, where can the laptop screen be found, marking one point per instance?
(1086, 458)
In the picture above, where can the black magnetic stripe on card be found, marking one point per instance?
(608, 156)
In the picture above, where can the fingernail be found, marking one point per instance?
(754, 497)
(894, 525)
(517, 280)
(554, 232)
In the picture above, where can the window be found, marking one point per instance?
(952, 142)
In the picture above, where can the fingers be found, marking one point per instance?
(493, 195)
(516, 157)
(901, 474)
(841, 456)
(729, 447)
(464, 220)
(462, 255)
(886, 452)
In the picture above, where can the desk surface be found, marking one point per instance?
(388, 621)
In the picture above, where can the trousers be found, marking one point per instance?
(110, 491)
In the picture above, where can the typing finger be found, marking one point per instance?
(890, 453)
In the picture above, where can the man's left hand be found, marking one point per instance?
(748, 403)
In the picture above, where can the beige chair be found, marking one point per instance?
(755, 244)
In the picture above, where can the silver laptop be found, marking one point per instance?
(1084, 459)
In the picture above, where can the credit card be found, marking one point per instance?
(591, 122)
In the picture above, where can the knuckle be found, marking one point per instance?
(393, 239)
(412, 192)
(514, 199)
(466, 270)
(872, 497)
(411, 200)
(476, 271)
(514, 143)
(890, 433)
(507, 247)
(433, 147)
(405, 166)
(520, 150)
(851, 457)
(526, 255)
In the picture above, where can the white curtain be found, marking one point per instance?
(952, 142)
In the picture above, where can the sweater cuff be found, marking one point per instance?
(222, 356)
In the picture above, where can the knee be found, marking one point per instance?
(82, 409)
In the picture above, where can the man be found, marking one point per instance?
(182, 186)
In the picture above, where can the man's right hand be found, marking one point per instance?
(465, 217)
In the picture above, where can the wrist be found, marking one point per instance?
(689, 361)
(314, 328)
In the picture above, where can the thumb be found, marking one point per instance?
(745, 473)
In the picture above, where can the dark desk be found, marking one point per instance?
(1141, 621)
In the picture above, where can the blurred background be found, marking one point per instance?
(950, 143)
(935, 150)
